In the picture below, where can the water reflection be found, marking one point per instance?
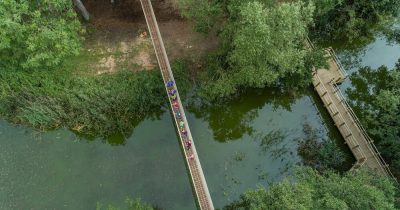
(58, 171)
(232, 120)
(252, 140)
(119, 136)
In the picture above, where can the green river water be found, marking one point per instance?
(58, 170)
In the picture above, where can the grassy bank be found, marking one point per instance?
(93, 105)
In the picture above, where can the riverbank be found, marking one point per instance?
(253, 139)
(113, 84)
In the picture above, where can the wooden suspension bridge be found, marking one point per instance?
(192, 159)
(325, 82)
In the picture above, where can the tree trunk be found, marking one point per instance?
(82, 9)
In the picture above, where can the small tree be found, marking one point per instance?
(204, 13)
(37, 34)
(261, 46)
(267, 43)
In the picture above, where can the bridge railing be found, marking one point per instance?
(350, 140)
(194, 166)
(335, 58)
(309, 43)
(370, 142)
(332, 54)
(371, 146)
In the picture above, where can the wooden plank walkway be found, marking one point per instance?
(192, 159)
(325, 83)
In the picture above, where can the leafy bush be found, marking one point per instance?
(37, 35)
(261, 46)
(203, 13)
(354, 21)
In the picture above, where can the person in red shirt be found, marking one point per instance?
(175, 105)
(191, 157)
(188, 144)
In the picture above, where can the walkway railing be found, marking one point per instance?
(309, 43)
(335, 58)
(340, 121)
(192, 160)
(371, 145)
(348, 124)
(332, 54)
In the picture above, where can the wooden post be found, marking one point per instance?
(82, 9)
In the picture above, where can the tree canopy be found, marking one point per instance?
(267, 43)
(203, 13)
(37, 34)
(262, 46)
(353, 21)
(308, 189)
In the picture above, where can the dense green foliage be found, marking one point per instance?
(203, 13)
(267, 43)
(130, 205)
(354, 21)
(312, 190)
(261, 46)
(101, 105)
(37, 35)
(376, 100)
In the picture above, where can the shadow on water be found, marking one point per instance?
(232, 120)
(248, 142)
(119, 137)
(333, 133)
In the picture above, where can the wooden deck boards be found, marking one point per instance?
(362, 147)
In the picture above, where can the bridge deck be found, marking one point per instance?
(192, 159)
(325, 83)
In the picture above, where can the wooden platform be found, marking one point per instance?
(192, 160)
(325, 83)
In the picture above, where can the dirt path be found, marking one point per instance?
(118, 36)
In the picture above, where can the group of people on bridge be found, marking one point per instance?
(172, 93)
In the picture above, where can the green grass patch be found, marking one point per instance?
(102, 105)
